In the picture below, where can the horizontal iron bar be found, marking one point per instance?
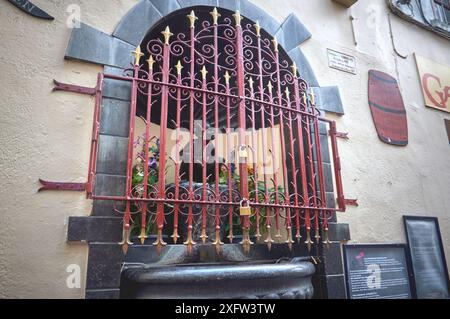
(59, 86)
(174, 85)
(280, 106)
(62, 186)
(183, 87)
(191, 202)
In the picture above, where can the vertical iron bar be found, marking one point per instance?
(255, 158)
(229, 154)
(203, 235)
(312, 186)
(143, 235)
(268, 239)
(126, 218)
(175, 235)
(274, 162)
(302, 160)
(217, 241)
(189, 240)
(283, 145)
(163, 141)
(243, 174)
(289, 240)
(320, 174)
(337, 167)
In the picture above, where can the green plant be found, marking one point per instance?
(138, 175)
(252, 187)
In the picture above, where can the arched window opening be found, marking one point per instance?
(223, 140)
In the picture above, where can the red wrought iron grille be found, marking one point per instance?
(226, 76)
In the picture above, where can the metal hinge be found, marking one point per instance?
(62, 186)
(59, 86)
(351, 202)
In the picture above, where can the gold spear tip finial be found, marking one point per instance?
(137, 55)
(178, 67)
(167, 34)
(237, 17)
(215, 15)
(275, 44)
(270, 87)
(294, 69)
(258, 28)
(203, 72)
(227, 77)
(313, 96)
(150, 62)
(191, 16)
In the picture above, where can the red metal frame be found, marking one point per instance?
(295, 195)
(95, 134)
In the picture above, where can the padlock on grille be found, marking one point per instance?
(243, 151)
(244, 209)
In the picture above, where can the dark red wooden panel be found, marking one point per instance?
(388, 110)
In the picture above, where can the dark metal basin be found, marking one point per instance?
(290, 280)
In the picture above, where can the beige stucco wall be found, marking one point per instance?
(388, 181)
(46, 135)
(43, 135)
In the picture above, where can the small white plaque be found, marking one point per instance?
(341, 61)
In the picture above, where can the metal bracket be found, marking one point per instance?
(61, 186)
(351, 202)
(341, 135)
(59, 86)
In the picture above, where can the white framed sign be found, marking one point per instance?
(341, 61)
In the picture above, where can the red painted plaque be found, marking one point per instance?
(388, 110)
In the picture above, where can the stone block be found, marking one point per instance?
(137, 22)
(112, 155)
(292, 33)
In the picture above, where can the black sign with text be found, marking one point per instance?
(427, 256)
(31, 9)
(377, 271)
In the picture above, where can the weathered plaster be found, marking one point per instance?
(43, 135)
(388, 181)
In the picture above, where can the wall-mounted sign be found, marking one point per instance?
(427, 255)
(387, 108)
(377, 271)
(435, 82)
(341, 61)
(31, 9)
